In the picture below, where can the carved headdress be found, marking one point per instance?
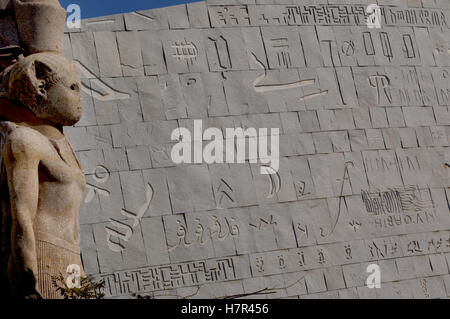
(30, 26)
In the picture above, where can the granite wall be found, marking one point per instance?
(363, 116)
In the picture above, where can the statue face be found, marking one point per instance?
(62, 102)
(49, 85)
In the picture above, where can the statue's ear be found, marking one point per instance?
(41, 71)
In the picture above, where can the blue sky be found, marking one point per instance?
(97, 8)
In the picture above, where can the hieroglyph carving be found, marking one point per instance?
(115, 237)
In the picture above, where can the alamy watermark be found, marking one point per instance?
(73, 279)
(73, 20)
(374, 279)
(231, 148)
(374, 16)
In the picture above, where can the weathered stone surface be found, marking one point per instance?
(40, 25)
(42, 183)
(363, 119)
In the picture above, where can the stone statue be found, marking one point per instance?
(41, 181)
(30, 26)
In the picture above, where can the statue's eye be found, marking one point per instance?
(74, 87)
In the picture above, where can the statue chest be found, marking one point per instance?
(61, 167)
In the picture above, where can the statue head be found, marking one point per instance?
(46, 83)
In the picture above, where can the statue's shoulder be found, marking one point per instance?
(22, 139)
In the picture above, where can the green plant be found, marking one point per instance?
(89, 289)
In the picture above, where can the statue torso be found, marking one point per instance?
(61, 186)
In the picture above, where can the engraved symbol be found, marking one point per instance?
(262, 223)
(181, 235)
(348, 252)
(313, 95)
(281, 46)
(341, 94)
(143, 16)
(174, 276)
(263, 18)
(274, 180)
(368, 43)
(386, 45)
(233, 15)
(117, 246)
(345, 178)
(383, 85)
(225, 15)
(321, 256)
(101, 176)
(413, 247)
(277, 87)
(355, 225)
(225, 191)
(423, 285)
(260, 264)
(191, 82)
(185, 51)
(406, 203)
(303, 229)
(408, 47)
(281, 262)
(221, 231)
(223, 52)
(108, 21)
(105, 92)
(302, 260)
(199, 232)
(412, 200)
(348, 48)
(233, 229)
(137, 217)
(442, 50)
(127, 230)
(300, 186)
